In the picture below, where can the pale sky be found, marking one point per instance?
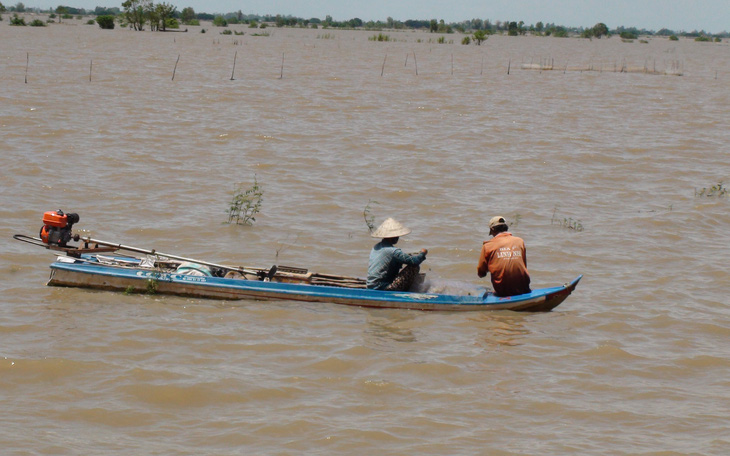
(712, 16)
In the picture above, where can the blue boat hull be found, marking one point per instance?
(80, 273)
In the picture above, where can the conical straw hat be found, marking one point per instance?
(389, 229)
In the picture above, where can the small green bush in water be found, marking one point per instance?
(105, 22)
(19, 21)
(245, 204)
(379, 37)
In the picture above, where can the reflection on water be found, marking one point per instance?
(500, 328)
(386, 327)
(488, 329)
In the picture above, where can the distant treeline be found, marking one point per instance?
(190, 17)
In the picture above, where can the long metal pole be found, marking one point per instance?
(166, 255)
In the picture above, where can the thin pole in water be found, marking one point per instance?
(415, 61)
(509, 65)
(175, 69)
(91, 63)
(27, 62)
(481, 69)
(452, 64)
(281, 76)
(382, 70)
(234, 65)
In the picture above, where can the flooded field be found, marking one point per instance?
(600, 171)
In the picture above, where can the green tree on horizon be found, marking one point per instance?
(600, 30)
(165, 11)
(187, 15)
(134, 13)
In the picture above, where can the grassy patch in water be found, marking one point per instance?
(718, 190)
(568, 223)
(379, 37)
(152, 286)
(369, 216)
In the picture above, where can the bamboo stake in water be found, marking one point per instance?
(406, 64)
(509, 65)
(416, 62)
(452, 64)
(175, 69)
(382, 70)
(91, 63)
(234, 64)
(281, 76)
(27, 61)
(481, 69)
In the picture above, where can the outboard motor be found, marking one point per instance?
(57, 226)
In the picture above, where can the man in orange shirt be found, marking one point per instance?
(505, 259)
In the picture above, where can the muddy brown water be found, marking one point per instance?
(636, 361)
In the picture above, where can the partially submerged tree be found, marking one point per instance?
(153, 17)
(479, 36)
(135, 14)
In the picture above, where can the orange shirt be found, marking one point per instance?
(505, 258)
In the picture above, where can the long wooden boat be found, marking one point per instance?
(100, 266)
(88, 272)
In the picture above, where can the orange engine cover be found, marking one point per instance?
(51, 218)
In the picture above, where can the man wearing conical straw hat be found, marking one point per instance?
(384, 270)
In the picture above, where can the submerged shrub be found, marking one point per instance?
(245, 204)
(19, 21)
(105, 22)
(379, 37)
